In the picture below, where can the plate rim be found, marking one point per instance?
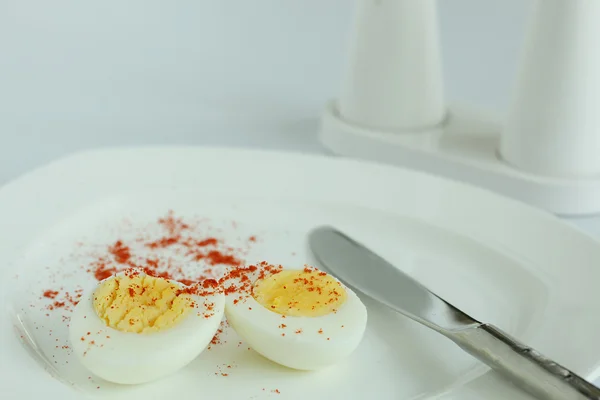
(324, 157)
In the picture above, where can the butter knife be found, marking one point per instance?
(360, 268)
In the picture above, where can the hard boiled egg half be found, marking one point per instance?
(134, 328)
(300, 318)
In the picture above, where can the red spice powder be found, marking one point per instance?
(237, 278)
(102, 270)
(215, 257)
(210, 283)
(123, 258)
(119, 257)
(217, 338)
(50, 294)
(120, 252)
(67, 302)
(173, 224)
(164, 242)
(57, 304)
(207, 242)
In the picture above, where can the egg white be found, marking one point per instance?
(133, 358)
(342, 332)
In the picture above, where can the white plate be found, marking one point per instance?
(499, 260)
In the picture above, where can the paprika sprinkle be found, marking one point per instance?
(170, 248)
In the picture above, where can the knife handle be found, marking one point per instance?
(524, 366)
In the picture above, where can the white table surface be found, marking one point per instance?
(76, 75)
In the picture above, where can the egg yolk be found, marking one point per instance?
(140, 303)
(300, 293)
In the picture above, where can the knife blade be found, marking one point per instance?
(358, 267)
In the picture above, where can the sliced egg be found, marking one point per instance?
(134, 328)
(302, 319)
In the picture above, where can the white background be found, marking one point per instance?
(79, 74)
